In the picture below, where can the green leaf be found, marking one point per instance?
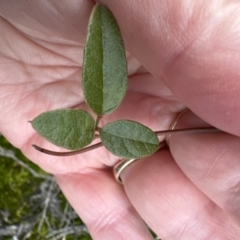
(104, 67)
(70, 129)
(128, 139)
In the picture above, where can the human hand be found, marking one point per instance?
(190, 192)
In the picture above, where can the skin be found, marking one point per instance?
(187, 56)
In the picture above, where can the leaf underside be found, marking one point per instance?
(129, 139)
(104, 67)
(67, 128)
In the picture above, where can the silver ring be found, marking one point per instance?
(174, 123)
(120, 166)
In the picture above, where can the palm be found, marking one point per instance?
(41, 61)
(48, 77)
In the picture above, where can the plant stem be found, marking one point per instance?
(65, 154)
(97, 145)
(188, 130)
(97, 122)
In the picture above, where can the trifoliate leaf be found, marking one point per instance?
(104, 67)
(129, 139)
(70, 129)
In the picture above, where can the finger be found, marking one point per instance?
(193, 47)
(102, 204)
(170, 203)
(211, 161)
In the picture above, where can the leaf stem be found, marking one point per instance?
(65, 154)
(188, 130)
(97, 122)
(97, 145)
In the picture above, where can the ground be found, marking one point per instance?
(31, 204)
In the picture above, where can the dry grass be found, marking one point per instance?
(31, 204)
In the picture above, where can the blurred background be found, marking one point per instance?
(31, 204)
